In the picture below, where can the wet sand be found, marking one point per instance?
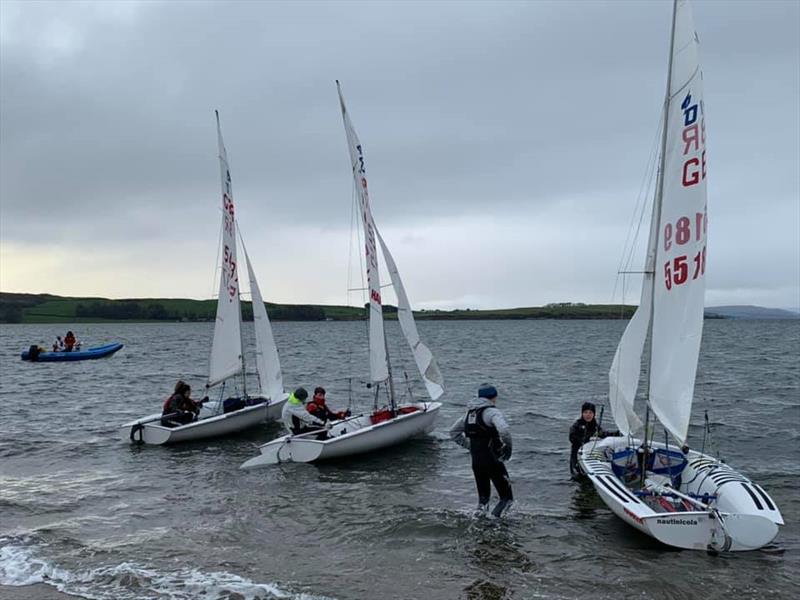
(37, 591)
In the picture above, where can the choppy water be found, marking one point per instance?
(96, 517)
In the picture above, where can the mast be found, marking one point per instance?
(656, 219)
(379, 367)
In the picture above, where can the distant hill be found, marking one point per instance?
(750, 312)
(46, 308)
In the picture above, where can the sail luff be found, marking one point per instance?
(379, 369)
(679, 290)
(426, 363)
(226, 346)
(268, 365)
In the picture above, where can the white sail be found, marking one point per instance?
(679, 291)
(378, 367)
(268, 364)
(226, 347)
(267, 361)
(623, 378)
(426, 363)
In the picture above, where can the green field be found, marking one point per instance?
(46, 308)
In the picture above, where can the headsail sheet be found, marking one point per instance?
(268, 363)
(426, 363)
(226, 347)
(378, 367)
(678, 299)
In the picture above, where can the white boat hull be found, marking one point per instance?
(356, 435)
(739, 516)
(149, 430)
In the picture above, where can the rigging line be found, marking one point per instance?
(640, 206)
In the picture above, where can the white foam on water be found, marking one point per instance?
(20, 566)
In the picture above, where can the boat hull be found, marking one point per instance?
(356, 435)
(728, 512)
(88, 354)
(149, 430)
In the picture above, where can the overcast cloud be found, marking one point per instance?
(506, 145)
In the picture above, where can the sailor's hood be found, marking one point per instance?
(478, 403)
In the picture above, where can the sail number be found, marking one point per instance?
(229, 272)
(684, 230)
(694, 142)
(676, 271)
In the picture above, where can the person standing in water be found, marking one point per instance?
(485, 433)
(582, 430)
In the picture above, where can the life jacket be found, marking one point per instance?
(69, 341)
(317, 409)
(481, 436)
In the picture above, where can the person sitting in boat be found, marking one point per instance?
(319, 409)
(485, 432)
(582, 430)
(296, 417)
(179, 408)
(58, 345)
(69, 341)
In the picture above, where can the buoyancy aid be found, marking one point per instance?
(482, 437)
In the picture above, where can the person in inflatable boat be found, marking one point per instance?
(69, 341)
(483, 430)
(179, 408)
(296, 417)
(319, 409)
(581, 431)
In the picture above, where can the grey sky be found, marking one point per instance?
(505, 145)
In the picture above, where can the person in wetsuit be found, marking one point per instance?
(485, 433)
(319, 409)
(296, 417)
(581, 432)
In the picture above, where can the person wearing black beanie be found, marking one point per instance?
(485, 433)
(581, 432)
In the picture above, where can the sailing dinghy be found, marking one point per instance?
(227, 414)
(396, 422)
(679, 496)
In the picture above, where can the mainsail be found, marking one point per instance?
(679, 290)
(267, 362)
(378, 366)
(226, 347)
(426, 363)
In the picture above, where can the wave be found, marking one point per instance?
(21, 565)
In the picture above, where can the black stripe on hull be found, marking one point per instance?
(758, 504)
(622, 489)
(612, 491)
(764, 495)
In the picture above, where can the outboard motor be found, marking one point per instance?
(33, 352)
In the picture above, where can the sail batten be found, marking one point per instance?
(378, 363)
(226, 347)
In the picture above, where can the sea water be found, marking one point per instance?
(97, 517)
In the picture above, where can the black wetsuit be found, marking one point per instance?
(485, 445)
(580, 433)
